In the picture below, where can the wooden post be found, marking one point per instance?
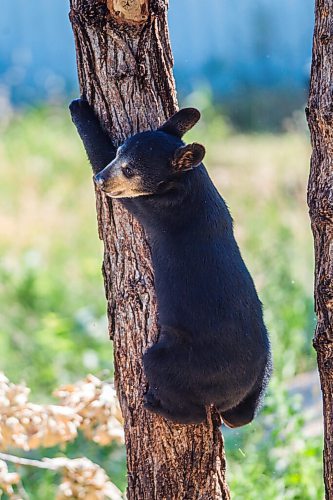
(320, 200)
(125, 72)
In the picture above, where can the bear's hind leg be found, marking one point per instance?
(180, 414)
(171, 391)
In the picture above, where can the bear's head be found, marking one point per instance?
(149, 162)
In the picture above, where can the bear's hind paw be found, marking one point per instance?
(150, 401)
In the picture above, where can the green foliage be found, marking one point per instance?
(271, 458)
(52, 318)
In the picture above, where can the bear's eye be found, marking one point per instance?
(128, 172)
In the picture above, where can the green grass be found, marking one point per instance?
(52, 317)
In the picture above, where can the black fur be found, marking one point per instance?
(213, 346)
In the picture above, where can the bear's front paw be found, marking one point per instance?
(151, 402)
(80, 108)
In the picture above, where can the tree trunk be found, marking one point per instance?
(320, 200)
(125, 72)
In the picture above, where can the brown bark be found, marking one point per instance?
(125, 71)
(320, 200)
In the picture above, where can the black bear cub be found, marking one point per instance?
(213, 346)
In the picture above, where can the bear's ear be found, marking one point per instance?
(188, 157)
(181, 122)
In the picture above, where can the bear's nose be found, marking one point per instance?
(99, 180)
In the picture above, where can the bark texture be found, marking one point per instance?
(125, 71)
(320, 200)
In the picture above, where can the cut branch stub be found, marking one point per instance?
(129, 11)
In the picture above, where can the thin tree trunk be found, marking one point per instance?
(320, 200)
(125, 71)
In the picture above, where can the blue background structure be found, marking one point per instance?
(250, 44)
